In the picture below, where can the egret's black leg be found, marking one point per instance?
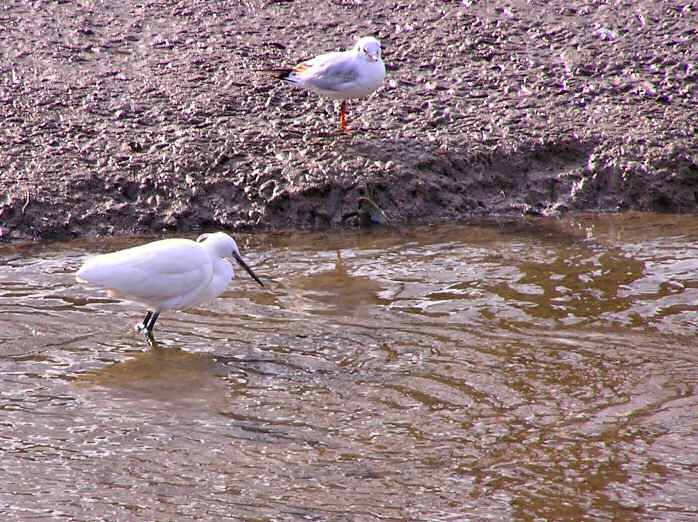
(144, 325)
(146, 328)
(154, 317)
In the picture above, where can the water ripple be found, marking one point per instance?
(539, 370)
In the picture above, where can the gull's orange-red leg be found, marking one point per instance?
(343, 116)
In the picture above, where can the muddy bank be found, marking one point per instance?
(148, 116)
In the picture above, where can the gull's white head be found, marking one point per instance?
(370, 47)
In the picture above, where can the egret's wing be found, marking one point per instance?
(153, 272)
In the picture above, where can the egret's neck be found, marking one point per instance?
(224, 269)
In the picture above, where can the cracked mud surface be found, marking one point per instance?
(142, 117)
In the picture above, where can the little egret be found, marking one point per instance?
(171, 274)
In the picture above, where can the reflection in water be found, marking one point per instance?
(163, 374)
(525, 370)
(337, 290)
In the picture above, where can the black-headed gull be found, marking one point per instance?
(340, 75)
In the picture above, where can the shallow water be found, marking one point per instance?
(541, 370)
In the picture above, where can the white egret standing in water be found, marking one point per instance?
(171, 274)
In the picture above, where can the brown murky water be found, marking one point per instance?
(531, 371)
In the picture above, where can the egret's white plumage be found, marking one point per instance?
(355, 73)
(171, 274)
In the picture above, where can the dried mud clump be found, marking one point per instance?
(128, 117)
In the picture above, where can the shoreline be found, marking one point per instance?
(134, 119)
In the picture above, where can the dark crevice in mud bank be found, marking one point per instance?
(415, 185)
(412, 183)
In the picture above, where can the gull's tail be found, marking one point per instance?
(284, 74)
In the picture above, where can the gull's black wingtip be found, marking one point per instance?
(279, 74)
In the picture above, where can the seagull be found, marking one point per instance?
(170, 274)
(355, 73)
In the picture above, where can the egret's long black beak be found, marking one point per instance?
(247, 268)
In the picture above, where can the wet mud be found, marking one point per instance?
(144, 117)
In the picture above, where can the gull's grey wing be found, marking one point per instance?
(334, 75)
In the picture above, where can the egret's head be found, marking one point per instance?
(370, 47)
(225, 246)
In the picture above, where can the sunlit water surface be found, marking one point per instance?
(541, 370)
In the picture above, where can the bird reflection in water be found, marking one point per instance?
(341, 289)
(166, 374)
